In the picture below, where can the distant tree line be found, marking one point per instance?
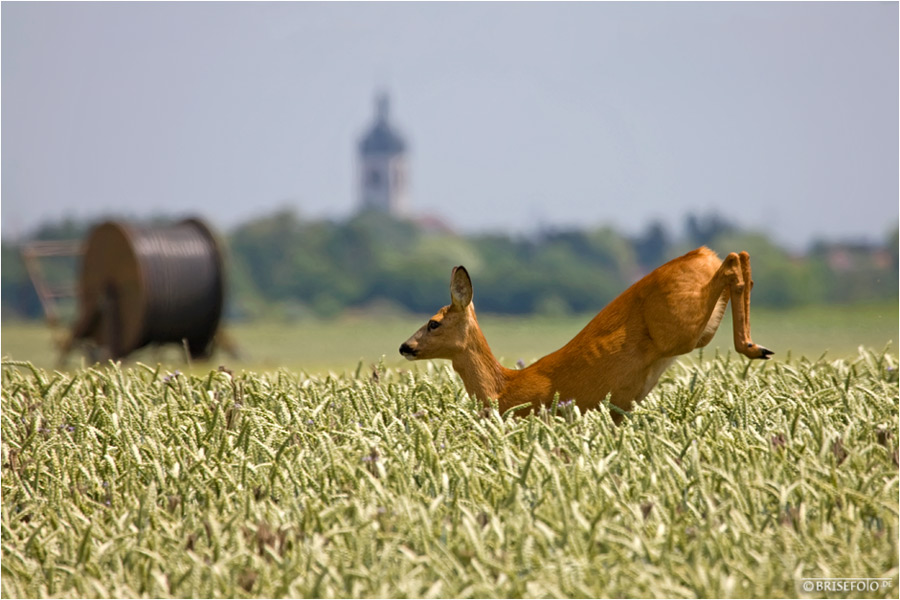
(288, 267)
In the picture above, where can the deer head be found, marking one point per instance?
(448, 332)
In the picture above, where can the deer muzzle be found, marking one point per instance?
(408, 351)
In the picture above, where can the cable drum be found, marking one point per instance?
(142, 285)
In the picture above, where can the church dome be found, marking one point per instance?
(382, 138)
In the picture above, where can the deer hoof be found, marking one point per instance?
(757, 351)
(766, 353)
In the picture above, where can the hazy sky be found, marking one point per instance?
(781, 116)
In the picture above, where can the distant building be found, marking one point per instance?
(383, 175)
(848, 256)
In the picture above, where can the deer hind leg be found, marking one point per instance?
(734, 274)
(748, 285)
(714, 319)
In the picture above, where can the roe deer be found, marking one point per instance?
(621, 352)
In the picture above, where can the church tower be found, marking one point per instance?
(382, 164)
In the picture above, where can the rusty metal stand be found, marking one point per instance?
(32, 255)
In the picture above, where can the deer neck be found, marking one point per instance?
(484, 377)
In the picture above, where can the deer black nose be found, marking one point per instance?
(406, 350)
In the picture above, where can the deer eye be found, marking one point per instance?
(432, 325)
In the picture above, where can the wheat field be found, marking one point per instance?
(732, 479)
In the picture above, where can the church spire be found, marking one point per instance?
(382, 163)
(382, 106)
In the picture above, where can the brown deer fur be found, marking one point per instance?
(621, 352)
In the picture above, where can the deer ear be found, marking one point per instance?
(460, 288)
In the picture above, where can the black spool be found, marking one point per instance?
(142, 285)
